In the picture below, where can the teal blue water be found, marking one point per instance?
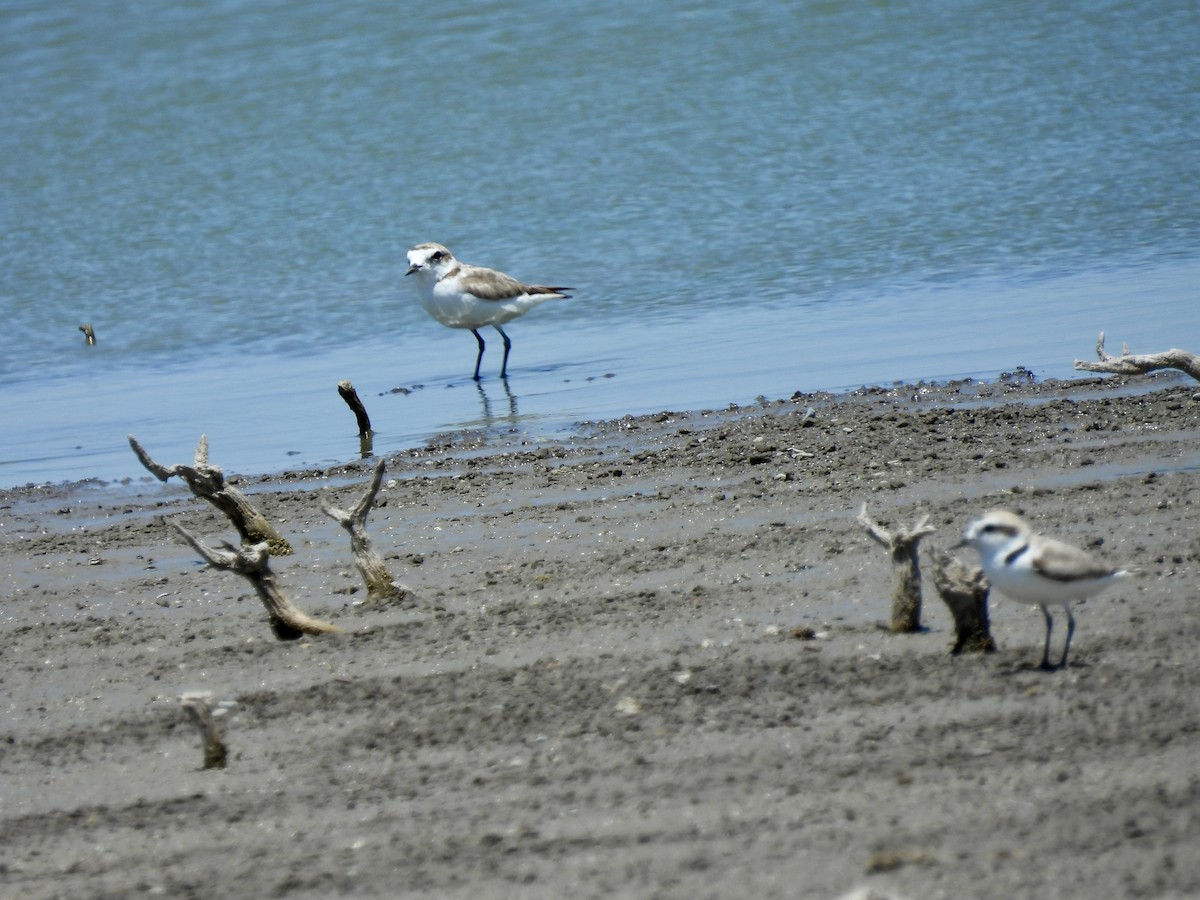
(749, 199)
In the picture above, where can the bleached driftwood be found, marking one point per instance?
(199, 710)
(207, 482)
(287, 622)
(1140, 363)
(380, 584)
(906, 569)
(964, 589)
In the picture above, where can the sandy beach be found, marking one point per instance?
(644, 661)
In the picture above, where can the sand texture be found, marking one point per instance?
(644, 661)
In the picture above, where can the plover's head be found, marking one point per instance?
(429, 259)
(996, 530)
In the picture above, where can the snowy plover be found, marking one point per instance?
(1036, 569)
(463, 296)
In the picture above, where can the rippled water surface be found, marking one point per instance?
(749, 199)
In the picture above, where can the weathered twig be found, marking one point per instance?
(89, 335)
(380, 584)
(1140, 363)
(965, 590)
(287, 622)
(199, 710)
(350, 395)
(207, 482)
(906, 569)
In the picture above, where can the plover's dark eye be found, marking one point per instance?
(437, 257)
(989, 528)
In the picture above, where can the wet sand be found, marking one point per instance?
(645, 661)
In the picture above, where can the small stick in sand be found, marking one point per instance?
(380, 584)
(350, 395)
(906, 569)
(207, 482)
(965, 590)
(199, 709)
(88, 334)
(1140, 363)
(287, 622)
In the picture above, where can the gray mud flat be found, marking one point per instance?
(645, 661)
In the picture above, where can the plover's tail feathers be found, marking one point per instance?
(558, 292)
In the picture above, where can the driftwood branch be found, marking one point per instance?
(1140, 363)
(287, 622)
(964, 589)
(350, 395)
(207, 482)
(906, 569)
(380, 584)
(200, 711)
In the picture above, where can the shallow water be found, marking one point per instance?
(750, 200)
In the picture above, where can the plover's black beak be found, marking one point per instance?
(962, 542)
(412, 269)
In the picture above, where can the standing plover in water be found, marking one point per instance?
(1036, 569)
(463, 296)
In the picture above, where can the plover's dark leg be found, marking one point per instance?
(1046, 651)
(479, 358)
(507, 347)
(1070, 632)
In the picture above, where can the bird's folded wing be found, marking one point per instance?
(488, 284)
(1063, 562)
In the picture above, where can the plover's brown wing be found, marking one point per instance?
(1064, 562)
(488, 284)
